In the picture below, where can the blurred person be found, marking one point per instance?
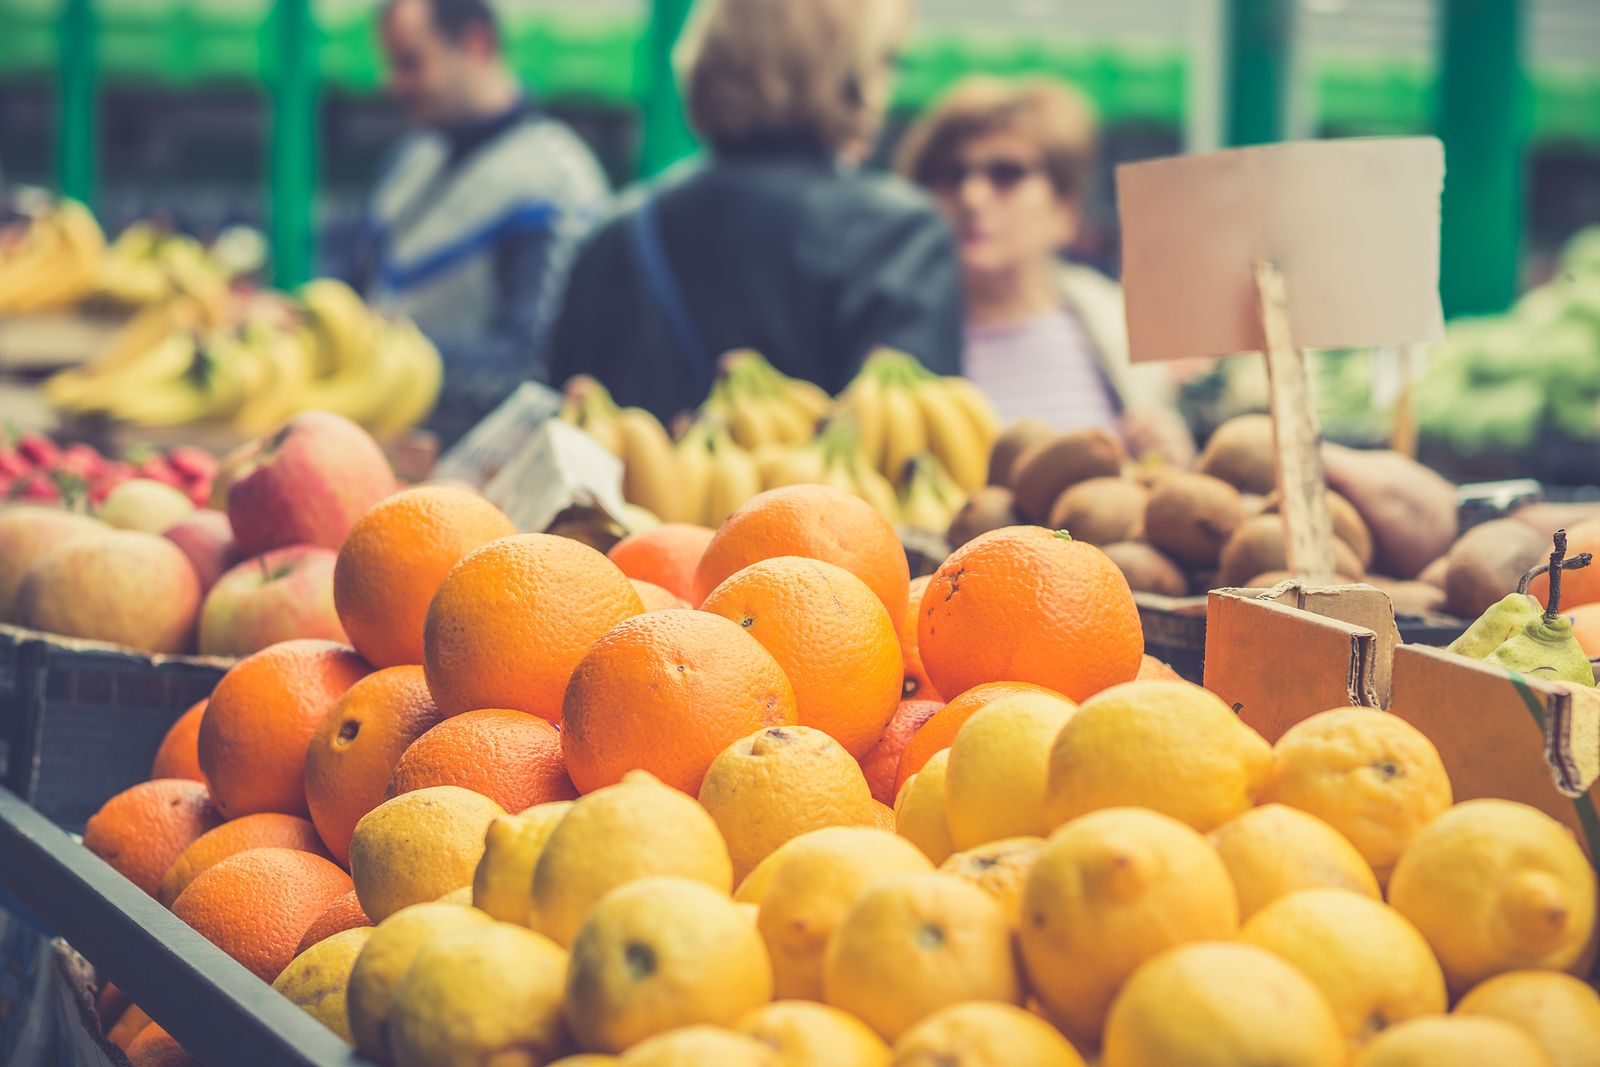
(774, 240)
(1008, 163)
(473, 224)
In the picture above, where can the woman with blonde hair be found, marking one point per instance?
(773, 240)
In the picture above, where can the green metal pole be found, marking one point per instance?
(667, 137)
(77, 129)
(1482, 117)
(294, 142)
(1259, 37)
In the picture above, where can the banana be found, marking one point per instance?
(419, 382)
(905, 434)
(863, 404)
(952, 435)
(288, 366)
(873, 487)
(810, 398)
(791, 424)
(345, 330)
(649, 468)
(734, 479)
(979, 411)
(56, 263)
(694, 475)
(921, 506)
(793, 466)
(945, 487)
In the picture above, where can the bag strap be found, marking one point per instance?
(650, 256)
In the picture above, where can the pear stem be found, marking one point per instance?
(1552, 608)
(1578, 562)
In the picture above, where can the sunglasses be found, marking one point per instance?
(1003, 175)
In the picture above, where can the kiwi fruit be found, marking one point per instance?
(1147, 569)
(1101, 511)
(1256, 548)
(1191, 516)
(990, 508)
(1048, 467)
(1240, 452)
(1348, 525)
(1272, 578)
(1433, 574)
(1012, 442)
(1486, 564)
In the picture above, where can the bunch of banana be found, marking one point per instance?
(715, 475)
(834, 457)
(53, 263)
(761, 405)
(929, 495)
(903, 410)
(651, 478)
(145, 266)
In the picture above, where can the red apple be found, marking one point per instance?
(306, 484)
(206, 537)
(122, 586)
(26, 534)
(277, 596)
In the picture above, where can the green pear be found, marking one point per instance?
(1510, 614)
(1545, 646)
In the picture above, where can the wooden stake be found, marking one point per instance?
(1403, 439)
(1308, 528)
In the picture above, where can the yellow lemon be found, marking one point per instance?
(503, 884)
(915, 943)
(1274, 850)
(418, 846)
(658, 954)
(1108, 891)
(1560, 1012)
(819, 877)
(984, 1034)
(390, 949)
(814, 1035)
(919, 810)
(754, 886)
(778, 783)
(1370, 775)
(1370, 963)
(1221, 1004)
(701, 1046)
(458, 896)
(316, 980)
(998, 764)
(1169, 746)
(487, 995)
(615, 835)
(882, 816)
(1497, 886)
(999, 868)
(1452, 1041)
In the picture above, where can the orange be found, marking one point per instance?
(831, 636)
(154, 1047)
(1026, 604)
(142, 829)
(513, 619)
(666, 692)
(817, 522)
(917, 686)
(1581, 586)
(356, 745)
(265, 829)
(664, 555)
(256, 905)
(255, 732)
(179, 754)
(511, 757)
(343, 914)
(656, 598)
(110, 1004)
(1585, 624)
(1152, 669)
(394, 558)
(127, 1029)
(881, 764)
(939, 732)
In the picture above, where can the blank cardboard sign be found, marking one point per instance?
(1353, 225)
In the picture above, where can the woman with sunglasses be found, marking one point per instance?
(1007, 163)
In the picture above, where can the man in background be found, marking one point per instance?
(473, 223)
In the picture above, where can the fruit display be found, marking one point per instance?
(832, 816)
(51, 260)
(35, 469)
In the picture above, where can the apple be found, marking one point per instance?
(277, 596)
(308, 483)
(144, 505)
(123, 586)
(27, 533)
(206, 537)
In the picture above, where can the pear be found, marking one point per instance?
(1545, 646)
(1510, 614)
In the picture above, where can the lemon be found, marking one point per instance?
(819, 876)
(919, 810)
(1561, 1013)
(658, 954)
(915, 943)
(487, 995)
(999, 868)
(778, 783)
(1370, 775)
(754, 886)
(503, 884)
(1108, 891)
(998, 764)
(882, 816)
(1497, 886)
(393, 944)
(1370, 963)
(615, 835)
(1274, 850)
(1169, 746)
(814, 1035)
(984, 1034)
(316, 980)
(458, 896)
(1452, 1041)
(701, 1046)
(1221, 1004)
(418, 846)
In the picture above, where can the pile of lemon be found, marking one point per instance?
(1141, 880)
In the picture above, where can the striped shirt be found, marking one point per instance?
(1041, 368)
